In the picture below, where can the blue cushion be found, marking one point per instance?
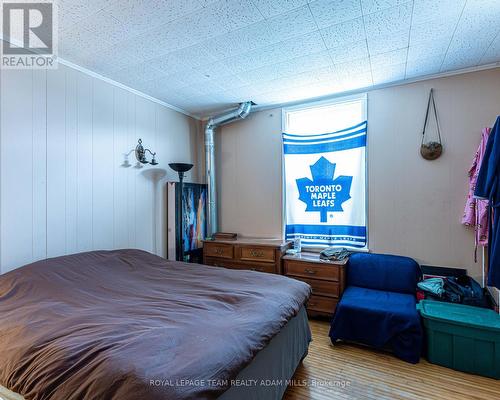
(379, 319)
(383, 272)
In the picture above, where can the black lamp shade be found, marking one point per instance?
(180, 167)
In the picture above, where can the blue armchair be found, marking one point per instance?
(378, 307)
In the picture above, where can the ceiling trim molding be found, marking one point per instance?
(376, 87)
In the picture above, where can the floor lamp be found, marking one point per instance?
(181, 169)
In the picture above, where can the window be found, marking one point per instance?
(324, 157)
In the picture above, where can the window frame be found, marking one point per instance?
(315, 104)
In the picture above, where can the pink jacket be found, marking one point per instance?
(476, 211)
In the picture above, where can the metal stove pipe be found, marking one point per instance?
(213, 123)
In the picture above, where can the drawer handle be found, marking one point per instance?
(310, 271)
(219, 250)
(256, 269)
(311, 304)
(257, 253)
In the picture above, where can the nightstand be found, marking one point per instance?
(327, 279)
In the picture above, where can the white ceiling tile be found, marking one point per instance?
(303, 45)
(110, 59)
(332, 12)
(372, 6)
(477, 12)
(306, 63)
(167, 84)
(300, 19)
(388, 21)
(425, 50)
(191, 91)
(344, 33)
(288, 68)
(492, 54)
(466, 48)
(262, 74)
(140, 16)
(390, 58)
(355, 67)
(194, 105)
(194, 56)
(215, 70)
(66, 19)
(137, 73)
(305, 92)
(161, 40)
(208, 88)
(170, 97)
(170, 64)
(196, 28)
(240, 41)
(386, 43)
(229, 97)
(353, 51)
(230, 82)
(105, 27)
(233, 14)
(74, 44)
(439, 31)
(165, 89)
(355, 81)
(82, 9)
(390, 73)
(461, 59)
(270, 8)
(206, 3)
(423, 66)
(429, 11)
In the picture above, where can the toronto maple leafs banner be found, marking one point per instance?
(325, 187)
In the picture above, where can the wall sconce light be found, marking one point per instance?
(140, 154)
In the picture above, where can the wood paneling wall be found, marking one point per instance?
(63, 135)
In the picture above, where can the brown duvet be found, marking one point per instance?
(130, 325)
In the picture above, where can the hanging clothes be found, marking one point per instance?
(476, 210)
(488, 187)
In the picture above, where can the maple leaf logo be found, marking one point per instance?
(324, 194)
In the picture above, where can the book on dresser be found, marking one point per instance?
(326, 278)
(263, 255)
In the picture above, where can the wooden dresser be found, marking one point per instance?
(253, 254)
(326, 278)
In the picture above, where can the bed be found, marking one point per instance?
(127, 324)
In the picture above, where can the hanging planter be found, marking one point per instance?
(429, 149)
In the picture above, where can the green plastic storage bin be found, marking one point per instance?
(462, 337)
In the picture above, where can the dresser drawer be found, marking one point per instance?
(321, 287)
(259, 254)
(270, 268)
(219, 262)
(322, 304)
(312, 270)
(225, 263)
(219, 250)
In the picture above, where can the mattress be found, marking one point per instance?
(268, 374)
(127, 324)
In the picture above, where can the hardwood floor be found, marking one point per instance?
(347, 371)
